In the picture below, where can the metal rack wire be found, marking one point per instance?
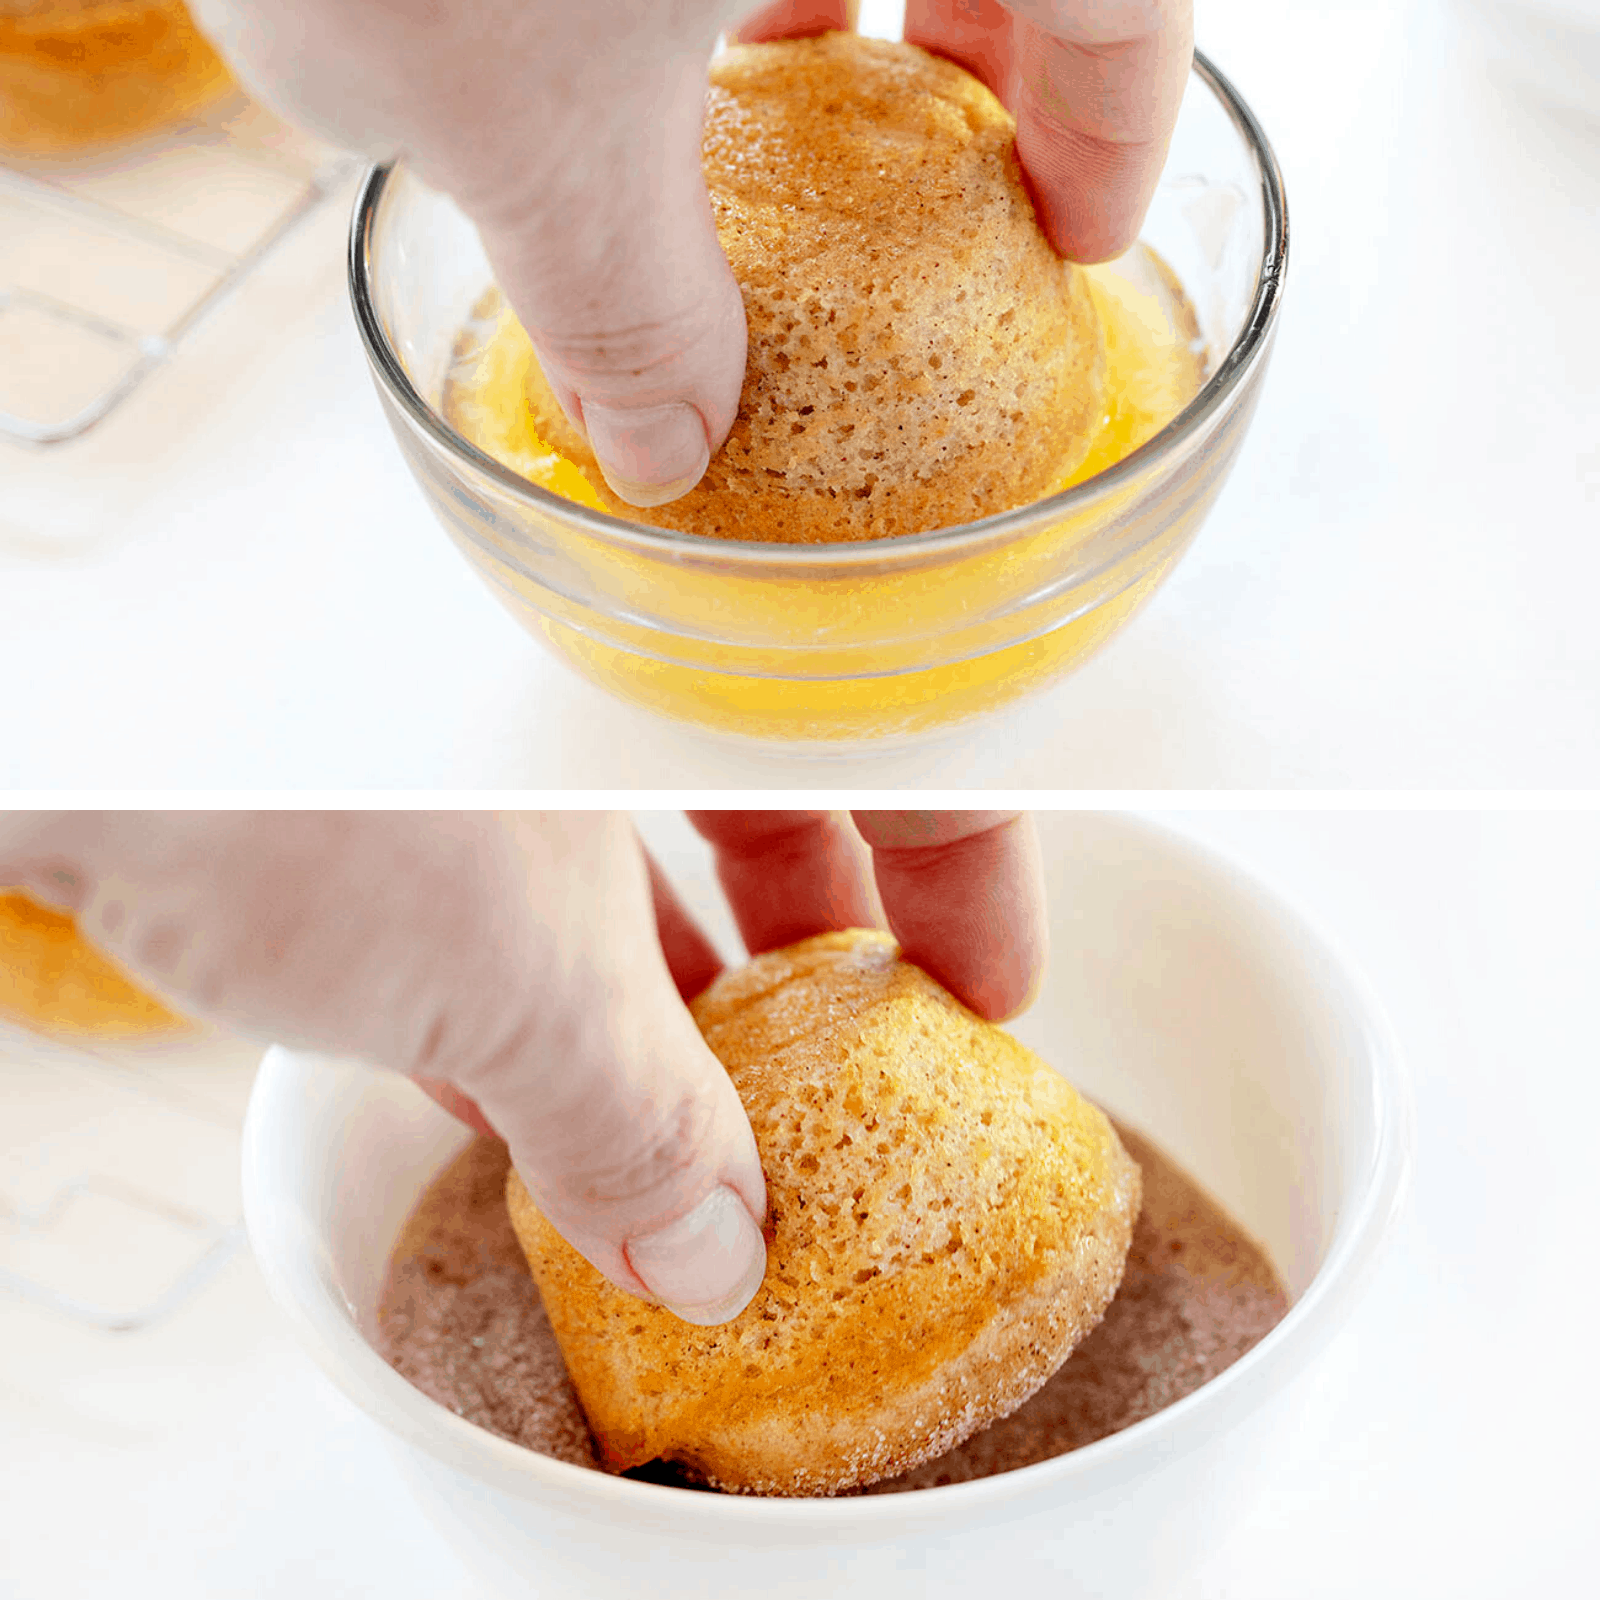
(108, 264)
(111, 1209)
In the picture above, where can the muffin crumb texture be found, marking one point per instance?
(947, 1219)
(919, 355)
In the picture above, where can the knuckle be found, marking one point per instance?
(585, 351)
(661, 1148)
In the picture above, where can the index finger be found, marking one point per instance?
(793, 19)
(787, 874)
(1095, 88)
(964, 895)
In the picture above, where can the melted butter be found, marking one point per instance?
(794, 689)
(1154, 366)
(53, 981)
(1153, 370)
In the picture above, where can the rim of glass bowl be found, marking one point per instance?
(1241, 358)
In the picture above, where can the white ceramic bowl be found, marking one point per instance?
(1183, 997)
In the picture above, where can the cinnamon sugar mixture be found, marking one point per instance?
(460, 1318)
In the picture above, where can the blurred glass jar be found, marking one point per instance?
(75, 74)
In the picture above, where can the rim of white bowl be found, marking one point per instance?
(297, 1265)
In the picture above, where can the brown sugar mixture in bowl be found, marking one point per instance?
(461, 1319)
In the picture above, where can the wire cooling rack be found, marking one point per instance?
(118, 1174)
(109, 263)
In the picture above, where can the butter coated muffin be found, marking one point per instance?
(948, 1218)
(919, 355)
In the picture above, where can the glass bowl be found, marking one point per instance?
(845, 644)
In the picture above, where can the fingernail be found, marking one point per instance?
(651, 454)
(707, 1266)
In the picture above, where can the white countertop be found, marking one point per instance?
(235, 582)
(1449, 1453)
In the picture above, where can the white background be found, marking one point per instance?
(236, 583)
(1450, 1450)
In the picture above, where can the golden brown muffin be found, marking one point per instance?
(78, 73)
(52, 981)
(919, 355)
(948, 1217)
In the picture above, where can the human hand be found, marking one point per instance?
(570, 135)
(1095, 87)
(530, 972)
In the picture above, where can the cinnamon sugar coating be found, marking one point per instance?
(948, 1217)
(462, 1320)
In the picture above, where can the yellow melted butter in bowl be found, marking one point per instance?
(801, 654)
(1154, 367)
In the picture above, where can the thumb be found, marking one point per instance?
(625, 1128)
(570, 135)
(515, 960)
(615, 270)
